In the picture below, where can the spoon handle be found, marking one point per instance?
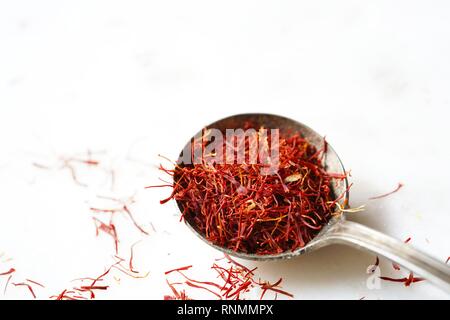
(362, 237)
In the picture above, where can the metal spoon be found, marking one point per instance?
(338, 230)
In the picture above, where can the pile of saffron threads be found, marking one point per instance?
(233, 282)
(236, 207)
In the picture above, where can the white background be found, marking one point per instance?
(137, 79)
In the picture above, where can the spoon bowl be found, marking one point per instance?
(331, 163)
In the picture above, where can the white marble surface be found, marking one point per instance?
(137, 78)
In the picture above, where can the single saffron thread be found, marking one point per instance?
(10, 271)
(178, 269)
(399, 186)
